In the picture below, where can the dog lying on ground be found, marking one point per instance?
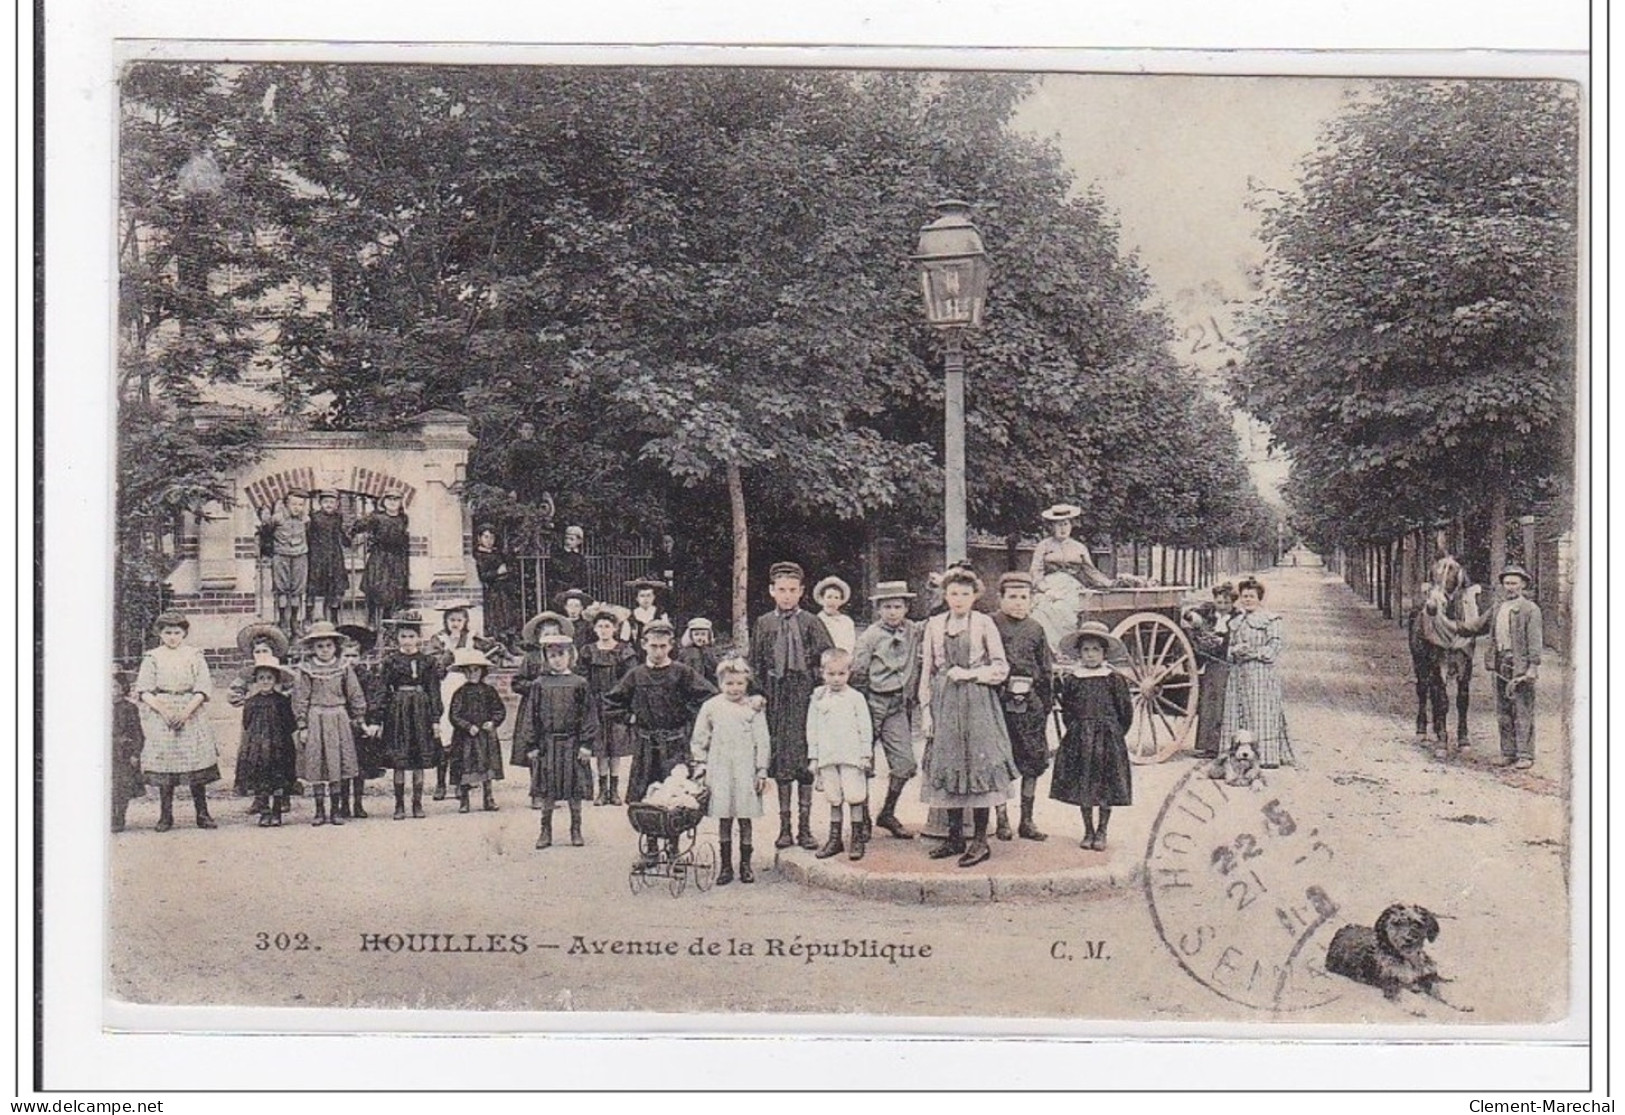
(1391, 955)
(1240, 766)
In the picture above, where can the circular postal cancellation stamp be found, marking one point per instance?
(1242, 891)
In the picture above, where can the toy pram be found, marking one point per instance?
(669, 846)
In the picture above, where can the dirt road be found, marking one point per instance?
(197, 917)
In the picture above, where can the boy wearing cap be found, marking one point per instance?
(289, 528)
(329, 579)
(659, 699)
(699, 651)
(886, 670)
(786, 647)
(1026, 695)
(1513, 655)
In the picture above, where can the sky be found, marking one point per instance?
(1176, 158)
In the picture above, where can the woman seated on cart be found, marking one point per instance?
(1063, 572)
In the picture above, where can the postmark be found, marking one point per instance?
(1242, 891)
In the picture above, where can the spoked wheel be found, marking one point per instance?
(680, 867)
(1162, 679)
(705, 865)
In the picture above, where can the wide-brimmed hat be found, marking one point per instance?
(647, 582)
(891, 590)
(566, 625)
(322, 629)
(569, 594)
(832, 582)
(555, 641)
(456, 606)
(615, 613)
(412, 619)
(464, 658)
(1513, 569)
(1060, 512)
(360, 634)
(268, 633)
(1116, 652)
(271, 662)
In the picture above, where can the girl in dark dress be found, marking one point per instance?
(499, 577)
(267, 759)
(476, 713)
(1092, 769)
(604, 662)
(127, 782)
(562, 729)
(530, 670)
(410, 684)
(384, 580)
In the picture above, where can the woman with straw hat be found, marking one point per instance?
(179, 749)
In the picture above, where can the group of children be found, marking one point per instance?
(306, 546)
(804, 705)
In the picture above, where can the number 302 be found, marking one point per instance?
(283, 942)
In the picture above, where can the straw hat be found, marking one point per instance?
(1060, 512)
(573, 594)
(647, 582)
(832, 582)
(891, 590)
(412, 619)
(566, 625)
(270, 662)
(360, 634)
(268, 633)
(321, 629)
(1094, 631)
(466, 658)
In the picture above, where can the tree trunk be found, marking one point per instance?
(741, 566)
(1498, 535)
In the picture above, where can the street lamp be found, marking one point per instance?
(953, 280)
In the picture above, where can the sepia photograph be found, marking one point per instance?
(932, 544)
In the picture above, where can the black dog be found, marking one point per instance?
(1391, 956)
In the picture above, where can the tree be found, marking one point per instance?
(1415, 353)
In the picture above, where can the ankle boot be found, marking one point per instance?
(888, 819)
(488, 801)
(603, 790)
(166, 809)
(357, 812)
(1003, 831)
(1088, 840)
(462, 799)
(200, 807)
(258, 805)
(400, 802)
(804, 836)
(977, 852)
(267, 816)
(417, 801)
(860, 834)
(440, 782)
(321, 809)
(832, 846)
(786, 836)
(725, 873)
(279, 806)
(575, 825)
(339, 807)
(1099, 843)
(746, 875)
(544, 839)
(955, 844)
(1027, 830)
(615, 791)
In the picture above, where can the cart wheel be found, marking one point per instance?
(705, 865)
(1162, 677)
(680, 868)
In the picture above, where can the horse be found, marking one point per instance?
(1439, 657)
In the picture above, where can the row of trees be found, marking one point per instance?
(1415, 351)
(695, 282)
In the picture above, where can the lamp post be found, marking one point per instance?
(953, 280)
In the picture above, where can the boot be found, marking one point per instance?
(833, 845)
(978, 851)
(258, 805)
(746, 875)
(357, 812)
(575, 825)
(462, 799)
(487, 802)
(888, 819)
(860, 833)
(1099, 842)
(166, 809)
(440, 781)
(340, 803)
(1003, 831)
(804, 836)
(786, 836)
(1088, 840)
(725, 873)
(603, 790)
(417, 800)
(279, 806)
(268, 816)
(400, 802)
(200, 806)
(1027, 830)
(615, 791)
(544, 839)
(321, 809)
(955, 844)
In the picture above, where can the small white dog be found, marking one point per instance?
(1240, 766)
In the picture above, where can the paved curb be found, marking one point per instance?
(965, 888)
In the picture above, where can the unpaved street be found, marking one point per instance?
(1485, 849)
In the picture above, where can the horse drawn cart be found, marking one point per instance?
(1161, 669)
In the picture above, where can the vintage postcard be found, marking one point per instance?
(1003, 549)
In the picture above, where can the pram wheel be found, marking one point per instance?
(705, 865)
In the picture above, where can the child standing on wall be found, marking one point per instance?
(289, 529)
(841, 751)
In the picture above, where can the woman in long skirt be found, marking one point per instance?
(178, 746)
(968, 764)
(1252, 697)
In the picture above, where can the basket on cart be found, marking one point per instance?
(669, 846)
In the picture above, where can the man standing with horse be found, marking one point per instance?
(1440, 656)
(1516, 638)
